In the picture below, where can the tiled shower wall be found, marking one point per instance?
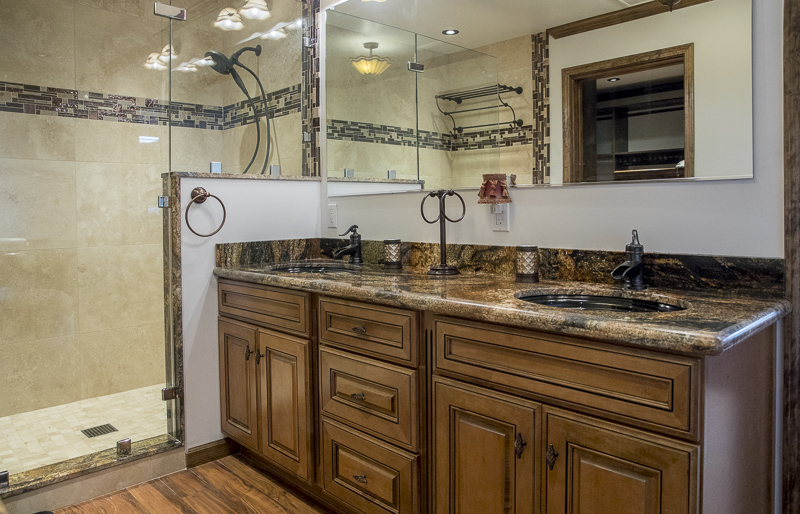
(444, 160)
(81, 271)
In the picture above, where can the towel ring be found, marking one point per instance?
(200, 195)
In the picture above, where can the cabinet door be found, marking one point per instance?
(285, 402)
(601, 468)
(237, 382)
(485, 451)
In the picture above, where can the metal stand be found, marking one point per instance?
(442, 269)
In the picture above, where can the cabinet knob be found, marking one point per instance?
(247, 353)
(359, 396)
(519, 445)
(361, 479)
(551, 456)
(360, 330)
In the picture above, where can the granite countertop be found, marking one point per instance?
(709, 324)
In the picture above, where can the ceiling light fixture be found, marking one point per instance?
(450, 32)
(670, 3)
(274, 34)
(372, 65)
(167, 54)
(228, 19)
(296, 24)
(154, 63)
(379, 1)
(255, 10)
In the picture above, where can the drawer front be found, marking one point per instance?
(656, 389)
(378, 398)
(369, 329)
(281, 309)
(367, 474)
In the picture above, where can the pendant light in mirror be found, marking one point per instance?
(372, 64)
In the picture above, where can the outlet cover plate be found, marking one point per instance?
(500, 217)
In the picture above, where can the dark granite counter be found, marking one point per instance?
(710, 323)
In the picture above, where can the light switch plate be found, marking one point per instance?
(332, 216)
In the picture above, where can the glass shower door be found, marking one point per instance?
(84, 92)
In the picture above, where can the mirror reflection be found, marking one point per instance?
(532, 43)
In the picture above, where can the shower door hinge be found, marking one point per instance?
(416, 67)
(169, 393)
(163, 202)
(306, 137)
(309, 42)
(169, 11)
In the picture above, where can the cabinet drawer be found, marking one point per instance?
(369, 329)
(271, 307)
(367, 474)
(657, 389)
(378, 398)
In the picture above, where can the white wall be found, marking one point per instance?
(258, 210)
(741, 217)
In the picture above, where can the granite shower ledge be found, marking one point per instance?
(709, 325)
(238, 176)
(377, 180)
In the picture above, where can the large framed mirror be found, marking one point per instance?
(531, 43)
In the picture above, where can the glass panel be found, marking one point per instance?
(83, 142)
(460, 107)
(213, 120)
(370, 95)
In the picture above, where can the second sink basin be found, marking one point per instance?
(600, 303)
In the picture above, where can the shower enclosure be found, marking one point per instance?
(99, 102)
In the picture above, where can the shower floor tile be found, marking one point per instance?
(46, 436)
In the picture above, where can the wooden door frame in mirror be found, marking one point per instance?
(571, 103)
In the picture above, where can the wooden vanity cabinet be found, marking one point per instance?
(265, 375)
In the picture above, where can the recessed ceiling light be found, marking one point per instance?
(614, 79)
(450, 32)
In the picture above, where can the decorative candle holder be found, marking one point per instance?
(391, 259)
(528, 264)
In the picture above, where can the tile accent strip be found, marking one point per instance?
(310, 104)
(342, 130)
(88, 105)
(541, 108)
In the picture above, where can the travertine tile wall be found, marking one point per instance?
(80, 234)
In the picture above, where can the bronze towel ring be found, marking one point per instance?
(199, 195)
(442, 269)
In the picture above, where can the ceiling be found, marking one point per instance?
(480, 22)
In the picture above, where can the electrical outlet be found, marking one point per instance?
(500, 217)
(332, 216)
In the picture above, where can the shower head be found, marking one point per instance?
(221, 63)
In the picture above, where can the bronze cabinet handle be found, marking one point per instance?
(361, 479)
(360, 330)
(359, 396)
(519, 445)
(551, 456)
(258, 356)
(247, 353)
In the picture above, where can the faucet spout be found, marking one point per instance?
(632, 271)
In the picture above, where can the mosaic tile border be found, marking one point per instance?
(89, 105)
(540, 56)
(342, 130)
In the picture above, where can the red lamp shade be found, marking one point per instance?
(494, 189)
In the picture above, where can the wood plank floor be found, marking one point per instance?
(225, 486)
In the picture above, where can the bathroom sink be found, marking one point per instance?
(315, 267)
(586, 302)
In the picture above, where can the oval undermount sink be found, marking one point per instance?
(587, 302)
(315, 267)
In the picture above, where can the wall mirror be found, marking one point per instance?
(529, 44)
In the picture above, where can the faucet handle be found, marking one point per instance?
(635, 237)
(352, 229)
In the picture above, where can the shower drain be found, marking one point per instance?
(99, 430)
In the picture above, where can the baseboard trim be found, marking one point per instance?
(210, 452)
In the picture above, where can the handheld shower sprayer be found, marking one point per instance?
(226, 66)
